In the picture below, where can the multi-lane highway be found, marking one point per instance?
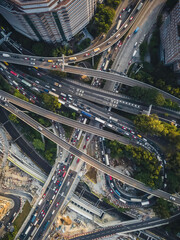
(91, 161)
(20, 59)
(63, 120)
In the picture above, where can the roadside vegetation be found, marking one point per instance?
(155, 72)
(120, 209)
(163, 208)
(18, 222)
(151, 96)
(103, 18)
(169, 135)
(145, 164)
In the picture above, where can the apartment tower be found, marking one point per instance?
(170, 38)
(53, 21)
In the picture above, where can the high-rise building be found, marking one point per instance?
(170, 38)
(50, 20)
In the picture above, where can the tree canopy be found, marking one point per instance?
(50, 102)
(103, 18)
(147, 165)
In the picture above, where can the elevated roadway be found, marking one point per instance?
(20, 60)
(125, 228)
(91, 161)
(72, 123)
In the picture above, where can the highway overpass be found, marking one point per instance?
(91, 161)
(20, 60)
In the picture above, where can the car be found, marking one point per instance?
(59, 171)
(132, 132)
(44, 195)
(57, 182)
(87, 139)
(71, 156)
(43, 214)
(54, 66)
(116, 48)
(84, 146)
(56, 190)
(26, 58)
(111, 190)
(131, 18)
(172, 198)
(34, 97)
(64, 168)
(32, 63)
(42, 211)
(50, 201)
(134, 137)
(129, 63)
(123, 9)
(87, 54)
(129, 36)
(77, 160)
(37, 82)
(120, 16)
(57, 204)
(124, 128)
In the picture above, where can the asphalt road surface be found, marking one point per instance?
(110, 171)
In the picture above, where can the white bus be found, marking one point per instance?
(118, 24)
(107, 159)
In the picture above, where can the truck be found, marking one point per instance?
(40, 201)
(139, 6)
(134, 53)
(118, 24)
(28, 229)
(100, 120)
(86, 114)
(46, 225)
(26, 83)
(122, 200)
(145, 203)
(57, 84)
(47, 91)
(33, 218)
(72, 59)
(107, 159)
(96, 50)
(74, 108)
(136, 30)
(5, 55)
(53, 94)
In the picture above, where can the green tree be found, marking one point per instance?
(162, 208)
(13, 118)
(50, 102)
(4, 85)
(21, 96)
(160, 100)
(143, 50)
(38, 144)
